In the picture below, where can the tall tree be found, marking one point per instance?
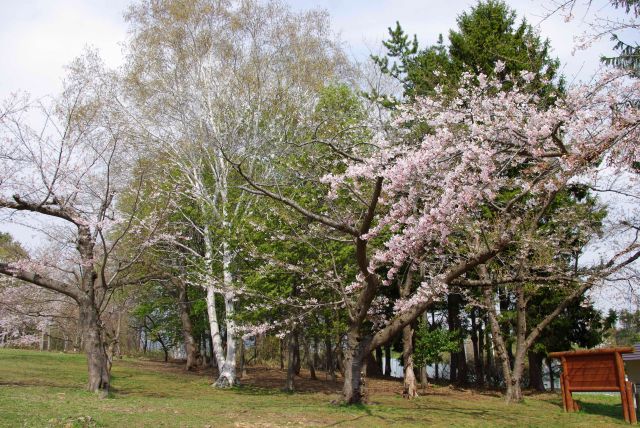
(66, 174)
(486, 35)
(214, 83)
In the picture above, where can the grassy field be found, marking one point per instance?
(46, 390)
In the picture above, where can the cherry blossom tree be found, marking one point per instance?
(64, 162)
(424, 196)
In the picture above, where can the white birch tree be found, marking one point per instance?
(218, 81)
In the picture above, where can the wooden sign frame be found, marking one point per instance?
(595, 370)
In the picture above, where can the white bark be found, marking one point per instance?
(228, 372)
(214, 326)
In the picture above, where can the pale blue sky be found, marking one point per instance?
(38, 37)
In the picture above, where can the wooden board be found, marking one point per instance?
(595, 370)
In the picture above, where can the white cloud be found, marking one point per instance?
(38, 38)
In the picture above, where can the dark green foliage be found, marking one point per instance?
(628, 55)
(156, 314)
(580, 325)
(488, 33)
(431, 343)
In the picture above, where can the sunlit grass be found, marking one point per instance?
(46, 390)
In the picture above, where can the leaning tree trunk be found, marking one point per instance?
(94, 347)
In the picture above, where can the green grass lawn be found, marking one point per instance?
(40, 389)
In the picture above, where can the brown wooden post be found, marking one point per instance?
(566, 386)
(632, 409)
(563, 392)
(623, 386)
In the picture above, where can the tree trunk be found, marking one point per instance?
(214, 328)
(296, 353)
(505, 327)
(513, 388)
(310, 361)
(453, 320)
(227, 376)
(535, 371)
(552, 385)
(410, 389)
(488, 340)
(379, 360)
(243, 370)
(289, 386)
(316, 352)
(480, 364)
(207, 343)
(255, 350)
(463, 371)
(514, 392)
(512, 377)
(353, 391)
(165, 350)
(194, 359)
(281, 354)
(94, 347)
(424, 379)
(477, 348)
(339, 357)
(387, 360)
(433, 325)
(330, 366)
(372, 368)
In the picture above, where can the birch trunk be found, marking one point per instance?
(228, 376)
